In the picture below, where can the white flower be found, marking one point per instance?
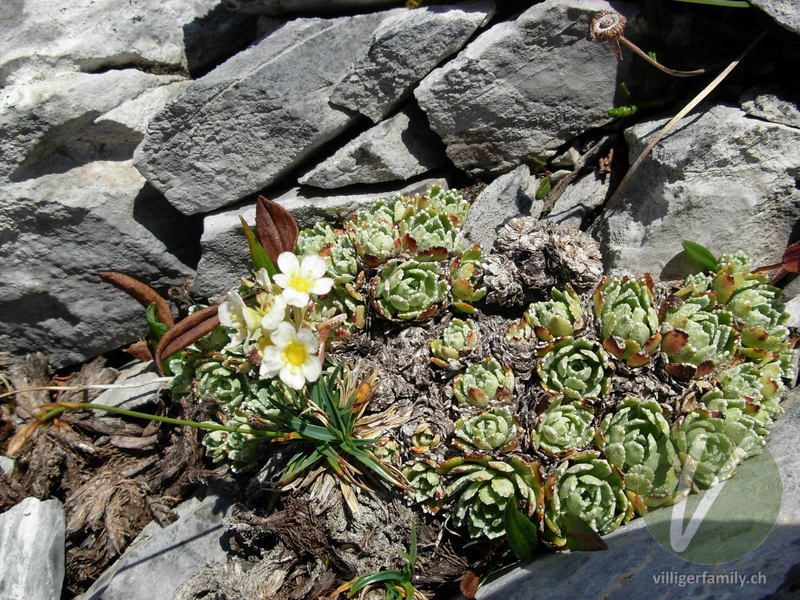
(298, 280)
(262, 279)
(236, 315)
(274, 313)
(293, 356)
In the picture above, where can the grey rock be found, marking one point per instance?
(579, 199)
(161, 559)
(785, 12)
(507, 197)
(401, 147)
(55, 124)
(771, 108)
(144, 376)
(633, 562)
(57, 231)
(403, 50)
(719, 178)
(242, 126)
(6, 465)
(32, 550)
(225, 257)
(40, 38)
(793, 308)
(280, 7)
(523, 86)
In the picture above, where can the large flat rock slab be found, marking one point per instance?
(523, 87)
(39, 37)
(785, 12)
(262, 112)
(720, 178)
(635, 566)
(32, 550)
(225, 255)
(56, 231)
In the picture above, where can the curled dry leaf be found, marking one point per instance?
(185, 333)
(141, 292)
(276, 228)
(140, 350)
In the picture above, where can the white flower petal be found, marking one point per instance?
(314, 265)
(322, 286)
(281, 280)
(308, 339)
(271, 362)
(311, 369)
(262, 279)
(295, 298)
(274, 315)
(287, 262)
(226, 314)
(283, 334)
(292, 377)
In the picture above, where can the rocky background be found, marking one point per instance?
(135, 132)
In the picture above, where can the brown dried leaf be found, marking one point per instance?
(141, 292)
(469, 585)
(276, 229)
(185, 333)
(140, 350)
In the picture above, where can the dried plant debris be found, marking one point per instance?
(383, 379)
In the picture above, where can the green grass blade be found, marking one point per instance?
(725, 3)
(257, 252)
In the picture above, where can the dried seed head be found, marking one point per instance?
(607, 25)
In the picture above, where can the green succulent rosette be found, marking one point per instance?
(448, 202)
(636, 439)
(313, 239)
(386, 450)
(628, 320)
(409, 290)
(696, 336)
(466, 273)
(341, 300)
(430, 229)
(375, 242)
(483, 382)
(242, 450)
(488, 431)
(224, 384)
(481, 488)
(590, 488)
(459, 336)
(574, 367)
(707, 452)
(748, 387)
(561, 316)
(518, 332)
(424, 485)
(564, 428)
(424, 439)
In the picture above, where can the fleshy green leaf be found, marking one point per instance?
(257, 252)
(580, 536)
(521, 532)
(543, 189)
(157, 328)
(700, 254)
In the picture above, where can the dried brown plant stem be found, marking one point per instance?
(674, 121)
(81, 388)
(658, 65)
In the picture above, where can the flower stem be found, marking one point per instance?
(657, 64)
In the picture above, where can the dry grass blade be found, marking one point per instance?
(675, 120)
(185, 333)
(276, 229)
(141, 292)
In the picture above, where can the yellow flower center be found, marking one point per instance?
(300, 283)
(295, 353)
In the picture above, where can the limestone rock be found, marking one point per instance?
(767, 106)
(785, 12)
(523, 86)
(507, 197)
(57, 231)
(38, 38)
(225, 257)
(401, 147)
(719, 178)
(403, 50)
(52, 125)
(280, 7)
(580, 199)
(636, 566)
(161, 559)
(141, 374)
(32, 550)
(239, 128)
(6, 465)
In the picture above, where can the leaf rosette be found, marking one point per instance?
(491, 430)
(483, 382)
(628, 320)
(424, 484)
(564, 428)
(636, 439)
(590, 488)
(574, 367)
(459, 336)
(708, 454)
(409, 290)
(482, 487)
(466, 273)
(561, 316)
